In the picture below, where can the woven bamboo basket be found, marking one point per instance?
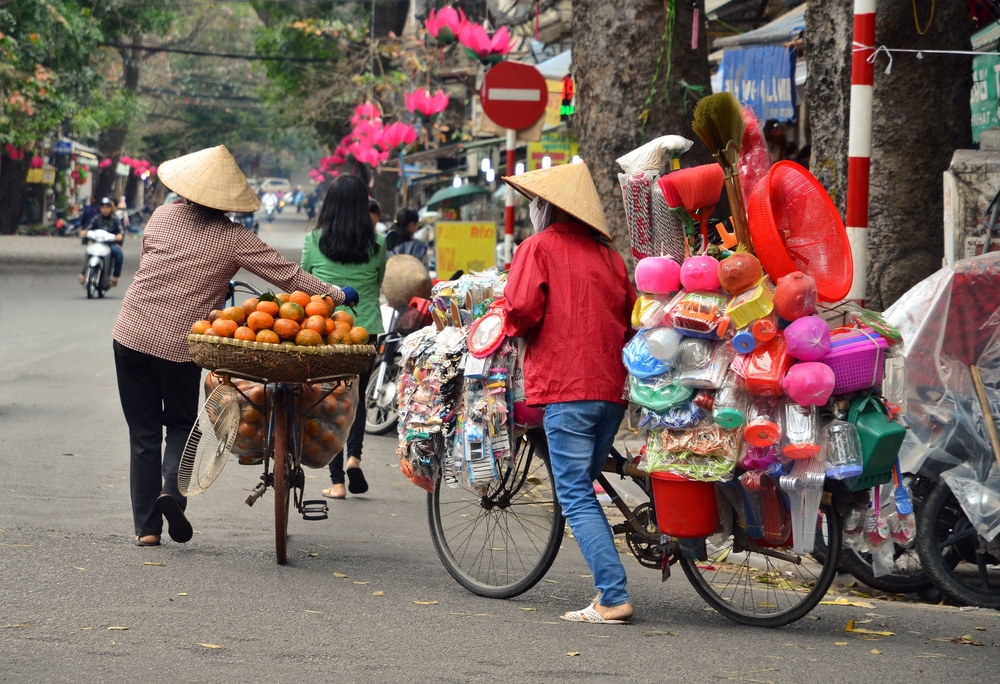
(278, 362)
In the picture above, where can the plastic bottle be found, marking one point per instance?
(843, 450)
(894, 380)
(802, 435)
(729, 407)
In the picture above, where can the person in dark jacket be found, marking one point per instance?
(107, 219)
(407, 223)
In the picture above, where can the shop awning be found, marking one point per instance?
(783, 29)
(453, 193)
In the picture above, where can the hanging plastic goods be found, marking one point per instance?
(700, 274)
(711, 373)
(795, 296)
(848, 313)
(876, 526)
(704, 452)
(775, 517)
(759, 458)
(752, 304)
(881, 440)
(651, 310)
(639, 360)
(755, 160)
(658, 275)
(700, 314)
(809, 384)
(843, 451)
(854, 525)
(486, 334)
(763, 424)
(801, 437)
(894, 381)
(328, 412)
(677, 418)
(694, 191)
(729, 408)
(660, 393)
(808, 338)
(747, 506)
(763, 369)
(739, 272)
(804, 487)
(668, 235)
(663, 343)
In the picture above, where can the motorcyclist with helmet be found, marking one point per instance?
(107, 220)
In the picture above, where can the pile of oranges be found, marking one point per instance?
(292, 319)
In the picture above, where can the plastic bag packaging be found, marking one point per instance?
(980, 499)
(804, 487)
(328, 412)
(801, 438)
(755, 160)
(712, 372)
(650, 310)
(669, 238)
(763, 369)
(639, 360)
(663, 343)
(692, 353)
(659, 393)
(700, 314)
(766, 501)
(894, 380)
(654, 155)
(758, 458)
(252, 432)
(676, 418)
(729, 409)
(843, 450)
(637, 196)
(854, 526)
(420, 462)
(747, 517)
(704, 452)
(763, 425)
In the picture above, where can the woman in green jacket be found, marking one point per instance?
(345, 250)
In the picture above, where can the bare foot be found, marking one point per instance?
(622, 612)
(337, 491)
(81, 279)
(149, 539)
(353, 462)
(114, 281)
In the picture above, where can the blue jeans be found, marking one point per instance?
(119, 257)
(580, 435)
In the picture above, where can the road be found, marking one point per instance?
(80, 603)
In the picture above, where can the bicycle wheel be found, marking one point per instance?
(381, 414)
(766, 586)
(953, 553)
(907, 577)
(282, 478)
(500, 544)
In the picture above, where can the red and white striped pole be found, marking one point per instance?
(508, 237)
(859, 143)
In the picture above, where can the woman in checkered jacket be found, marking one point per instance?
(190, 252)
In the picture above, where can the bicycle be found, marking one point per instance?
(518, 529)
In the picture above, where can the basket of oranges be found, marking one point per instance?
(282, 338)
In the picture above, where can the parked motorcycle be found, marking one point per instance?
(97, 278)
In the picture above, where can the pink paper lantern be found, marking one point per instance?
(446, 24)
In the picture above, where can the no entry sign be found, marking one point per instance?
(514, 95)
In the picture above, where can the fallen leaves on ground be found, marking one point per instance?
(840, 643)
(657, 632)
(875, 651)
(117, 628)
(26, 624)
(573, 653)
(425, 603)
(156, 563)
(362, 582)
(967, 640)
(183, 593)
(210, 645)
(845, 602)
(314, 554)
(529, 609)
(314, 612)
(860, 630)
(340, 575)
(378, 593)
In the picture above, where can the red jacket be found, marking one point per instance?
(571, 297)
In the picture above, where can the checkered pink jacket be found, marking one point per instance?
(189, 255)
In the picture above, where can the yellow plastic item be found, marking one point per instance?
(747, 307)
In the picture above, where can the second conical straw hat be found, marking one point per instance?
(569, 187)
(210, 177)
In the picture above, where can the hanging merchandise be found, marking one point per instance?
(801, 438)
(704, 452)
(659, 393)
(711, 373)
(755, 159)
(739, 272)
(751, 305)
(763, 423)
(804, 487)
(700, 314)
(658, 275)
(693, 193)
(700, 274)
(676, 418)
(808, 338)
(843, 451)
(639, 360)
(650, 310)
(765, 367)
(663, 343)
(795, 296)
(809, 384)
(669, 237)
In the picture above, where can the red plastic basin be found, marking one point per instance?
(684, 508)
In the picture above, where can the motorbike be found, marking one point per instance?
(97, 278)
(249, 221)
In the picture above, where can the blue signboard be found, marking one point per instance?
(762, 77)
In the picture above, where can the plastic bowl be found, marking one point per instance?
(794, 226)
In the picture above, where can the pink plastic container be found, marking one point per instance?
(857, 365)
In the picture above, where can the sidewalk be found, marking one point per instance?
(28, 250)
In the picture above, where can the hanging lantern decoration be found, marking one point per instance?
(566, 109)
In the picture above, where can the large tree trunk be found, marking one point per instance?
(921, 115)
(13, 181)
(111, 142)
(615, 50)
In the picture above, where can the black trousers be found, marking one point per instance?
(155, 394)
(356, 437)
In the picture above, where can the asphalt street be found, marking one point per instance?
(80, 603)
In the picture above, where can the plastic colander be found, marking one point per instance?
(795, 226)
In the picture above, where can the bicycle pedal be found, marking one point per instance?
(315, 509)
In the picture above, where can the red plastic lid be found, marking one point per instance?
(486, 334)
(761, 433)
(796, 451)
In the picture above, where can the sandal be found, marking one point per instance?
(140, 542)
(356, 482)
(589, 614)
(328, 493)
(178, 526)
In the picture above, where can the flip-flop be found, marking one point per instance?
(178, 528)
(327, 495)
(356, 482)
(140, 542)
(589, 614)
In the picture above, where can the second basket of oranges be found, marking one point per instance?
(293, 337)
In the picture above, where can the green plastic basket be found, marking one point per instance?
(880, 441)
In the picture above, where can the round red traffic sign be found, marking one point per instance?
(514, 95)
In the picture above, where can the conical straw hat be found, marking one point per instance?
(569, 187)
(211, 178)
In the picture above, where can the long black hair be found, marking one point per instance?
(346, 231)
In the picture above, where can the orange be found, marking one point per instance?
(211, 332)
(326, 436)
(255, 393)
(319, 308)
(234, 313)
(312, 449)
(359, 335)
(312, 427)
(308, 338)
(282, 298)
(200, 327)
(247, 429)
(213, 314)
(317, 323)
(324, 298)
(225, 327)
(292, 311)
(300, 298)
(268, 336)
(345, 317)
(249, 414)
(270, 308)
(338, 337)
(245, 333)
(250, 305)
(343, 326)
(259, 320)
(329, 405)
(330, 326)
(286, 328)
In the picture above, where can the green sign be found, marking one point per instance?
(984, 100)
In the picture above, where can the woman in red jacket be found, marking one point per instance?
(570, 296)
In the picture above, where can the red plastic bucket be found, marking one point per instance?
(684, 508)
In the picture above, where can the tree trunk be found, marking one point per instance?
(921, 116)
(615, 51)
(111, 143)
(13, 182)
